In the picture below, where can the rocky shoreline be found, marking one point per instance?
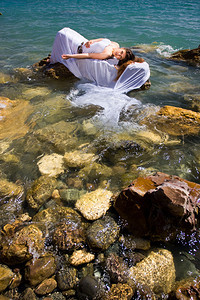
(72, 239)
(64, 252)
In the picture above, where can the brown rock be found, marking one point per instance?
(46, 286)
(80, 257)
(67, 278)
(186, 289)
(39, 269)
(20, 247)
(116, 268)
(120, 291)
(28, 294)
(40, 191)
(102, 233)
(191, 57)
(69, 235)
(174, 121)
(159, 206)
(12, 113)
(55, 71)
(95, 204)
(6, 277)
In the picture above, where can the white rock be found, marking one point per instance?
(81, 257)
(51, 165)
(95, 204)
(78, 159)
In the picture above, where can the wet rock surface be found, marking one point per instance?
(95, 204)
(55, 71)
(20, 246)
(60, 254)
(102, 233)
(40, 192)
(191, 57)
(159, 206)
(36, 270)
(175, 121)
(161, 272)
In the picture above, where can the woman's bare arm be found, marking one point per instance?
(103, 55)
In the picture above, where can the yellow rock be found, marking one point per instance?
(156, 271)
(5, 78)
(174, 121)
(95, 204)
(29, 93)
(80, 257)
(13, 116)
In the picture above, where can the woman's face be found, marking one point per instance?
(119, 53)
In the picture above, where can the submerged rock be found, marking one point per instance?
(70, 234)
(61, 135)
(116, 268)
(46, 286)
(159, 206)
(120, 291)
(102, 233)
(90, 288)
(79, 159)
(6, 277)
(191, 57)
(156, 271)
(11, 201)
(20, 246)
(186, 289)
(51, 165)
(94, 205)
(40, 191)
(175, 121)
(37, 270)
(67, 278)
(12, 113)
(194, 101)
(80, 257)
(95, 171)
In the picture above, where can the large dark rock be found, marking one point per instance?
(159, 206)
(55, 71)
(191, 57)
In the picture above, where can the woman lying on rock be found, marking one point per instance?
(100, 61)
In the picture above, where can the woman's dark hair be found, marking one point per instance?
(129, 56)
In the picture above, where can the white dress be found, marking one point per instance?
(96, 47)
(99, 72)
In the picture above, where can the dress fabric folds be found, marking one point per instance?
(99, 72)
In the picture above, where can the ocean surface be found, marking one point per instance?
(158, 28)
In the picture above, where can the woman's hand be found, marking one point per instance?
(65, 56)
(88, 43)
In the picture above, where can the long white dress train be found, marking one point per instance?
(99, 72)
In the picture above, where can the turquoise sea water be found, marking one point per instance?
(28, 27)
(27, 32)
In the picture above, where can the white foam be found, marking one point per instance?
(112, 102)
(166, 50)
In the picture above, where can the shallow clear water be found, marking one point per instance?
(160, 27)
